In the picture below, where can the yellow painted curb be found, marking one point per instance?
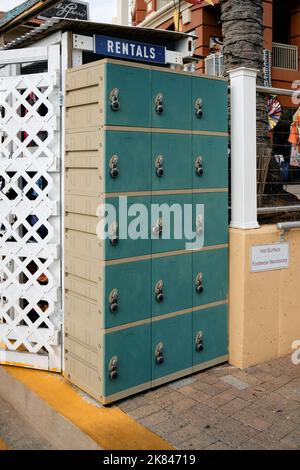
(110, 428)
(3, 446)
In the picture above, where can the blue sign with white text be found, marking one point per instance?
(126, 49)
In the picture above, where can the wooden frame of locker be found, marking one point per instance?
(87, 332)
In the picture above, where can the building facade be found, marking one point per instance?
(281, 22)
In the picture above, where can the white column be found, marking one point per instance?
(243, 148)
(122, 12)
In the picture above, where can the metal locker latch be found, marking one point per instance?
(199, 166)
(113, 166)
(199, 224)
(113, 368)
(159, 294)
(199, 108)
(159, 353)
(114, 234)
(199, 341)
(159, 109)
(113, 301)
(158, 227)
(159, 166)
(114, 99)
(199, 283)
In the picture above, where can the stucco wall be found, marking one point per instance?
(264, 308)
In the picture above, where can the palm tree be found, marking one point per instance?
(243, 36)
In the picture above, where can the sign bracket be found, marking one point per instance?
(87, 43)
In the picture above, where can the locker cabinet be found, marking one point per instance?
(142, 311)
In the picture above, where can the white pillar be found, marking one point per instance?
(122, 12)
(243, 148)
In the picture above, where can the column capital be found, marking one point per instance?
(243, 71)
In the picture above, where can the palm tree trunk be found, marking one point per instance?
(243, 36)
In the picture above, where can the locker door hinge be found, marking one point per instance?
(61, 100)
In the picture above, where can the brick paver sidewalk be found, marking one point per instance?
(226, 408)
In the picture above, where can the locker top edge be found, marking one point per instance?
(143, 66)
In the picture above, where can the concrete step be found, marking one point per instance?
(16, 433)
(64, 418)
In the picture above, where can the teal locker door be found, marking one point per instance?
(129, 228)
(209, 103)
(171, 161)
(210, 276)
(127, 293)
(170, 100)
(171, 284)
(168, 228)
(210, 162)
(127, 359)
(171, 345)
(127, 161)
(210, 334)
(215, 221)
(128, 92)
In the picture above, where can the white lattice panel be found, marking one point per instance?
(30, 298)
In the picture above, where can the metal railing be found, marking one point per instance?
(278, 174)
(285, 56)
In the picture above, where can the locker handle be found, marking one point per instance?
(114, 99)
(114, 234)
(113, 166)
(199, 108)
(199, 224)
(199, 166)
(199, 341)
(159, 294)
(159, 166)
(159, 354)
(113, 368)
(199, 283)
(158, 227)
(159, 108)
(113, 301)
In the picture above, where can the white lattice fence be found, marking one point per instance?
(30, 303)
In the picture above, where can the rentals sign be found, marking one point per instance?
(127, 49)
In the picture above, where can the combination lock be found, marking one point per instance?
(159, 294)
(158, 228)
(114, 234)
(159, 108)
(159, 354)
(159, 166)
(199, 108)
(199, 166)
(199, 341)
(113, 166)
(113, 368)
(199, 283)
(113, 301)
(114, 100)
